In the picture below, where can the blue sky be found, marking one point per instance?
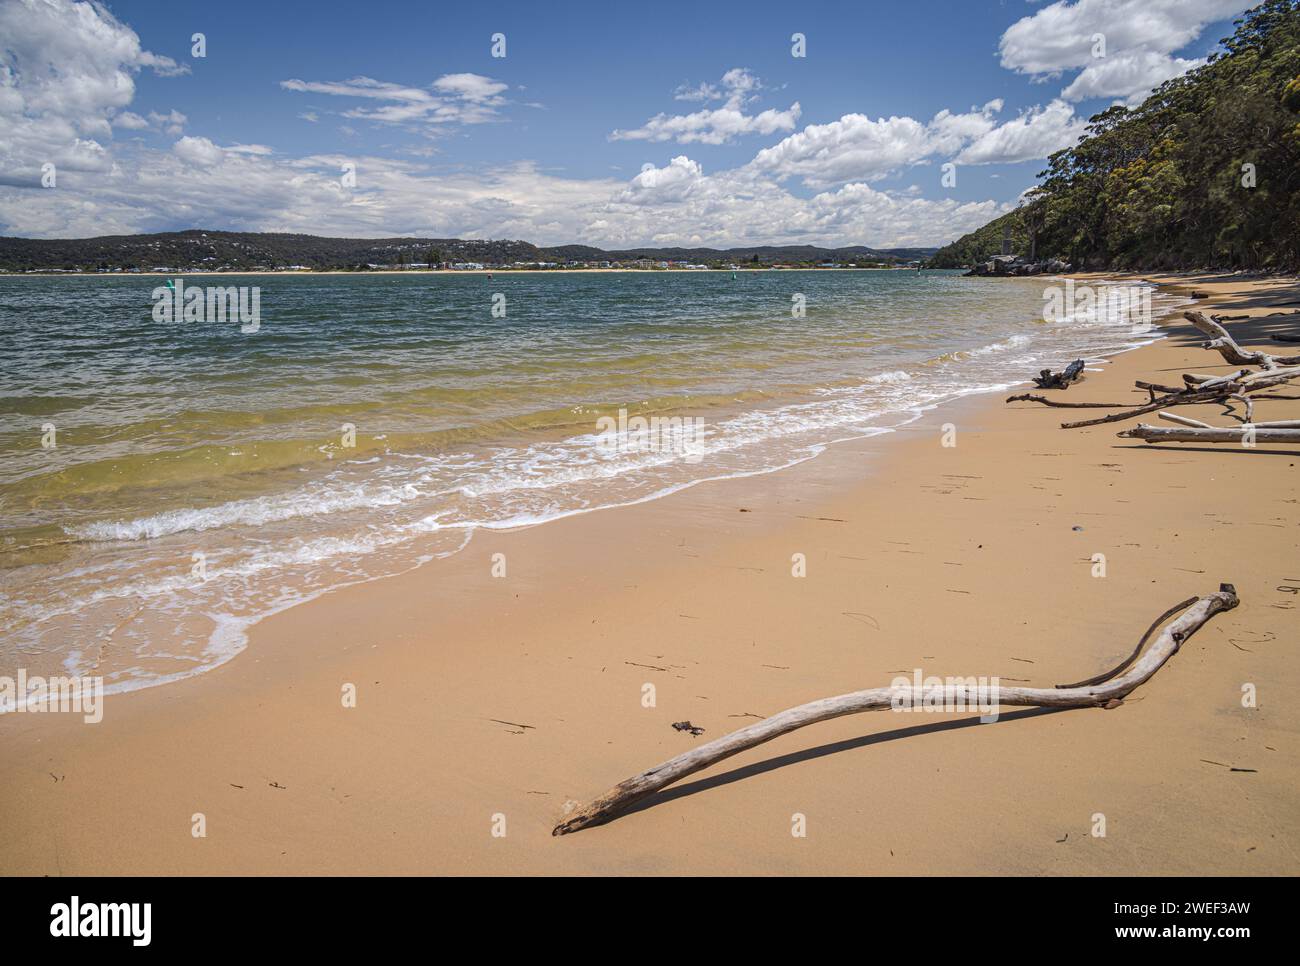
(745, 143)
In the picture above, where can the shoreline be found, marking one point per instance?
(454, 271)
(229, 639)
(690, 587)
(1233, 275)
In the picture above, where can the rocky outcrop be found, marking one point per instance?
(1000, 265)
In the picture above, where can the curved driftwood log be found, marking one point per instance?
(1112, 688)
(1227, 346)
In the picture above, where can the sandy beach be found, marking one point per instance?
(485, 703)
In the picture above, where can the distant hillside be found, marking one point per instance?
(769, 254)
(246, 250)
(1204, 173)
(199, 249)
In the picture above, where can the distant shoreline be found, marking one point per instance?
(451, 272)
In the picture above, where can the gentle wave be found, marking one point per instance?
(253, 512)
(147, 594)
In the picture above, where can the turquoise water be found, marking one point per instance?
(202, 477)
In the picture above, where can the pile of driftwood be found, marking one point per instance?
(1236, 392)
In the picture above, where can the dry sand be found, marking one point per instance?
(482, 696)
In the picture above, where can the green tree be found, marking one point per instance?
(1205, 172)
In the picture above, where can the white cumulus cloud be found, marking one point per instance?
(67, 85)
(1036, 133)
(1129, 75)
(67, 69)
(198, 151)
(1137, 34)
(718, 125)
(857, 148)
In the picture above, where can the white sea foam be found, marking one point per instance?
(895, 376)
(254, 512)
(373, 517)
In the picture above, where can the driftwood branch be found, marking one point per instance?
(1242, 385)
(1274, 377)
(1154, 387)
(1227, 346)
(1185, 398)
(1185, 420)
(1110, 688)
(1059, 380)
(1212, 434)
(1248, 403)
(1031, 397)
(1123, 665)
(1214, 390)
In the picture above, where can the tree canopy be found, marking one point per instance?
(1204, 173)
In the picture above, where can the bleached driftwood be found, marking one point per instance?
(1199, 383)
(1272, 377)
(1227, 346)
(1188, 397)
(1215, 390)
(1113, 686)
(1211, 434)
(1242, 385)
(1186, 421)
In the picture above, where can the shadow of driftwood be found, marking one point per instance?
(1249, 333)
(1223, 449)
(821, 751)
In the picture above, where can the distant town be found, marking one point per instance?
(198, 251)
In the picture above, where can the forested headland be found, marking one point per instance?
(1205, 173)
